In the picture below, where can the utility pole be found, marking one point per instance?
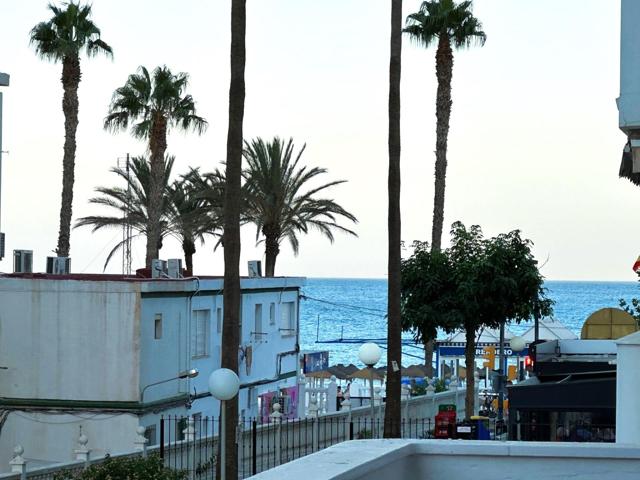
(501, 376)
(4, 82)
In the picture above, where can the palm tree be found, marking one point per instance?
(392, 410)
(131, 203)
(193, 213)
(276, 202)
(61, 39)
(449, 24)
(153, 104)
(231, 235)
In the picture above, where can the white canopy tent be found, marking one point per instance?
(485, 335)
(549, 329)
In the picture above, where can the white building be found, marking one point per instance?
(79, 350)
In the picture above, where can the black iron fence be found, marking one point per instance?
(191, 444)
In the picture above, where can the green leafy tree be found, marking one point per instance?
(475, 283)
(450, 25)
(392, 412)
(131, 203)
(279, 201)
(139, 468)
(498, 281)
(429, 293)
(62, 39)
(153, 104)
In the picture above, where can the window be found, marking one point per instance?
(287, 318)
(272, 314)
(257, 327)
(219, 320)
(150, 434)
(157, 326)
(200, 333)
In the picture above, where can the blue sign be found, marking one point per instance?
(459, 352)
(315, 361)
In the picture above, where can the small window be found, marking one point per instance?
(200, 333)
(257, 327)
(272, 314)
(287, 318)
(219, 320)
(157, 326)
(150, 435)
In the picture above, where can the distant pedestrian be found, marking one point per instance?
(339, 398)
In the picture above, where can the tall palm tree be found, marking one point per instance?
(131, 203)
(61, 39)
(450, 24)
(277, 203)
(392, 410)
(231, 235)
(190, 216)
(153, 104)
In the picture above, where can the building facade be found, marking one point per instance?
(103, 352)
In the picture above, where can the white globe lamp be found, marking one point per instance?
(369, 354)
(517, 344)
(224, 384)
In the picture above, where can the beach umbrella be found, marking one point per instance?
(365, 374)
(415, 371)
(319, 374)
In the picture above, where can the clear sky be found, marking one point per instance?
(533, 143)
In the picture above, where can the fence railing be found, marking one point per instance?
(191, 444)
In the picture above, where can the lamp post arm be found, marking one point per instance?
(154, 384)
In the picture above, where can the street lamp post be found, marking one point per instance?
(369, 354)
(223, 385)
(4, 82)
(182, 375)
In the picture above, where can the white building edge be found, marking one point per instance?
(78, 350)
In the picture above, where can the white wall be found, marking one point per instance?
(66, 339)
(463, 460)
(51, 439)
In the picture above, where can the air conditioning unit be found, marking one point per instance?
(58, 265)
(174, 268)
(22, 261)
(1, 245)
(159, 269)
(255, 268)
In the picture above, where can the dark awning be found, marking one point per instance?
(568, 394)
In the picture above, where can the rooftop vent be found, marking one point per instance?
(159, 268)
(174, 268)
(22, 261)
(255, 268)
(58, 265)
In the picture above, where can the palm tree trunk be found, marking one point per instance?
(470, 366)
(188, 248)
(271, 249)
(230, 329)
(392, 426)
(158, 147)
(444, 71)
(70, 81)
(429, 346)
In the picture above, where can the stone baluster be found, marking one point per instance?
(276, 417)
(141, 441)
(82, 452)
(190, 431)
(18, 464)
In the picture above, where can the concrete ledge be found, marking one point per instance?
(472, 460)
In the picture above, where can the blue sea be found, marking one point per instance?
(356, 308)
